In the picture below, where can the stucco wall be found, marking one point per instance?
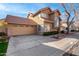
(48, 27)
(37, 19)
(21, 30)
(40, 21)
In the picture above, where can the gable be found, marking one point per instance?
(44, 10)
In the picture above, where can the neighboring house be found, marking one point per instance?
(73, 26)
(44, 20)
(2, 25)
(63, 25)
(76, 25)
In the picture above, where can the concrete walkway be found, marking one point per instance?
(35, 45)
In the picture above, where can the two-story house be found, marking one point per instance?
(44, 20)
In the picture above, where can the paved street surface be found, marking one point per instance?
(35, 45)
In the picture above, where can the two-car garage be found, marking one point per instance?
(20, 26)
(12, 31)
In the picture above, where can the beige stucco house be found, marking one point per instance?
(44, 20)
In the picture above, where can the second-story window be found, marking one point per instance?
(44, 15)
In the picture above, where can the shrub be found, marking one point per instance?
(72, 30)
(50, 33)
(62, 31)
(3, 34)
(77, 30)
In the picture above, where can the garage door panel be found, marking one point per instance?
(21, 30)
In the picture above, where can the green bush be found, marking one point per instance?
(3, 34)
(50, 33)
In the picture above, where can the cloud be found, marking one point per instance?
(3, 7)
(20, 9)
(11, 9)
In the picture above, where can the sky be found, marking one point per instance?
(22, 9)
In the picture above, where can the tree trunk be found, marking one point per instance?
(68, 30)
(68, 24)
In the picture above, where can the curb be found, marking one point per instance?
(70, 48)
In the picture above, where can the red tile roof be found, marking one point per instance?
(19, 20)
(48, 11)
(44, 10)
(57, 11)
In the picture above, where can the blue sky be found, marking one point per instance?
(22, 9)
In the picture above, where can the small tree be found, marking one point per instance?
(59, 27)
(69, 15)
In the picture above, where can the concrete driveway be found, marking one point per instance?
(35, 45)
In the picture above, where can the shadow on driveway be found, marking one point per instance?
(39, 50)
